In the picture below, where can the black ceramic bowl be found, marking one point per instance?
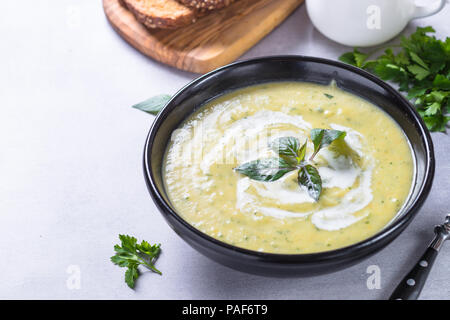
(287, 68)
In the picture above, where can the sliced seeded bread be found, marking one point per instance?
(166, 14)
(206, 5)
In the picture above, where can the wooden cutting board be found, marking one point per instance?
(213, 41)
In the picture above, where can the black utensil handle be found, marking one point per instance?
(411, 285)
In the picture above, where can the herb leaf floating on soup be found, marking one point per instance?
(292, 158)
(269, 202)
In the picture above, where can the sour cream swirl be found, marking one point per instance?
(347, 175)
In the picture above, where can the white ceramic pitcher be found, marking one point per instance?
(365, 23)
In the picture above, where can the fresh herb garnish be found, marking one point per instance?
(154, 104)
(131, 254)
(309, 177)
(270, 169)
(421, 68)
(329, 96)
(323, 138)
(292, 157)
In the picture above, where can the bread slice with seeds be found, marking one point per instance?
(166, 14)
(206, 5)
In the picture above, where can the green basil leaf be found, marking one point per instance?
(309, 177)
(291, 161)
(269, 169)
(302, 152)
(286, 146)
(324, 137)
(154, 104)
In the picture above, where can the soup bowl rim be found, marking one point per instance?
(398, 223)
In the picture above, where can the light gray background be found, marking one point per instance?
(71, 177)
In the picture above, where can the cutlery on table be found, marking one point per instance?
(411, 285)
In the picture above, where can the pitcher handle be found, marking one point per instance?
(429, 9)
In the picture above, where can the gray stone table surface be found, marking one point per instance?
(71, 176)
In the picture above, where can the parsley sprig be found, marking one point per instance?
(292, 156)
(131, 254)
(421, 68)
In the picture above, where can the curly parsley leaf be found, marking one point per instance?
(421, 68)
(154, 104)
(355, 58)
(441, 82)
(131, 275)
(131, 254)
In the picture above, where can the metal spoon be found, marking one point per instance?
(411, 285)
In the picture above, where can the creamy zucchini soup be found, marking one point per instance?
(288, 168)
